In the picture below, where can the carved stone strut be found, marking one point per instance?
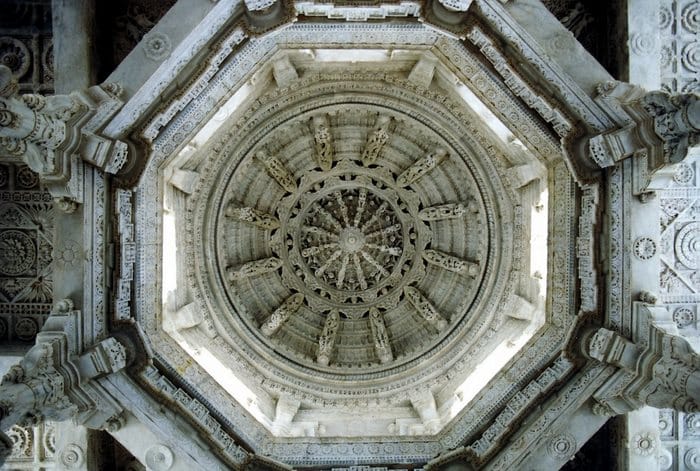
(252, 216)
(376, 140)
(658, 367)
(421, 167)
(380, 336)
(424, 308)
(451, 263)
(254, 268)
(326, 340)
(447, 211)
(282, 313)
(323, 142)
(277, 170)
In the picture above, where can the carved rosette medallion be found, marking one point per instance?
(18, 252)
(367, 240)
(349, 238)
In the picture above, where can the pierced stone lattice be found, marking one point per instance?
(351, 239)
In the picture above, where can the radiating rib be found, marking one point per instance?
(309, 251)
(384, 231)
(341, 272)
(330, 218)
(361, 200)
(343, 208)
(358, 271)
(377, 214)
(328, 262)
(374, 263)
(396, 251)
(320, 231)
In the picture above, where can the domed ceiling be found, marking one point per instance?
(347, 237)
(354, 239)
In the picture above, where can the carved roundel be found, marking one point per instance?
(15, 55)
(688, 245)
(18, 252)
(644, 248)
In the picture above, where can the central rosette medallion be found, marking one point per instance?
(351, 239)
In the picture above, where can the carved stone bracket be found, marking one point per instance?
(655, 129)
(54, 134)
(658, 367)
(56, 379)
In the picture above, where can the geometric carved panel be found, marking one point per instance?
(26, 253)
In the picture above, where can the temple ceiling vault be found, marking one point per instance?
(338, 240)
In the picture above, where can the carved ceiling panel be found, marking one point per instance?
(26, 253)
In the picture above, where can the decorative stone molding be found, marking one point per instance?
(55, 379)
(655, 129)
(52, 134)
(127, 254)
(658, 367)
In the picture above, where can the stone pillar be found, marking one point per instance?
(76, 447)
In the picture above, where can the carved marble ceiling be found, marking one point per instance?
(315, 239)
(354, 240)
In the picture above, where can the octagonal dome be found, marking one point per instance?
(356, 237)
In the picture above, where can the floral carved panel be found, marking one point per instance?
(26, 253)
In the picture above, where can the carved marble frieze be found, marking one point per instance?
(678, 28)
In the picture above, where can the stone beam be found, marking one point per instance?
(73, 37)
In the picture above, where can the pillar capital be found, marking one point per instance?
(57, 378)
(55, 134)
